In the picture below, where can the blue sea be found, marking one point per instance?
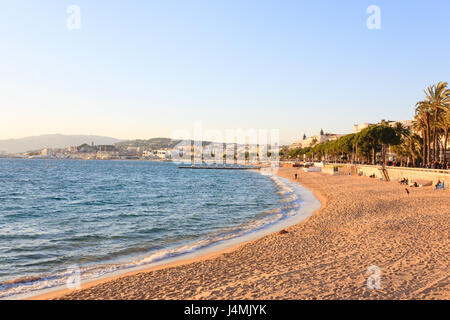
(107, 216)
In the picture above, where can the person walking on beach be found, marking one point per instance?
(295, 175)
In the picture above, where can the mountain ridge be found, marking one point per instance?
(32, 143)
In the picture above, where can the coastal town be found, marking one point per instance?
(304, 149)
(140, 150)
(94, 152)
(420, 142)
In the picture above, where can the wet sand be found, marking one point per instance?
(363, 222)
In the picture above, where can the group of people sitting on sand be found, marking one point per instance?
(405, 181)
(439, 184)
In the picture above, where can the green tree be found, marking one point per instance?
(423, 116)
(438, 98)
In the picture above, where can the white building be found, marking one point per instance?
(359, 127)
(311, 141)
(157, 154)
(162, 154)
(46, 152)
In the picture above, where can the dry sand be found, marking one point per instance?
(362, 222)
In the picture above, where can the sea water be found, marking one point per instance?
(101, 217)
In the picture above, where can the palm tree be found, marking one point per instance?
(444, 125)
(410, 148)
(404, 148)
(447, 123)
(402, 131)
(423, 115)
(437, 96)
(419, 126)
(414, 146)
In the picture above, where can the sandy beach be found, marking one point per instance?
(363, 222)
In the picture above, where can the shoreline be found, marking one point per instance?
(202, 254)
(362, 223)
(61, 292)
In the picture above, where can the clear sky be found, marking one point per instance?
(141, 69)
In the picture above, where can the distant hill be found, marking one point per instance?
(51, 141)
(154, 143)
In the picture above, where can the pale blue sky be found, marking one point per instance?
(141, 69)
